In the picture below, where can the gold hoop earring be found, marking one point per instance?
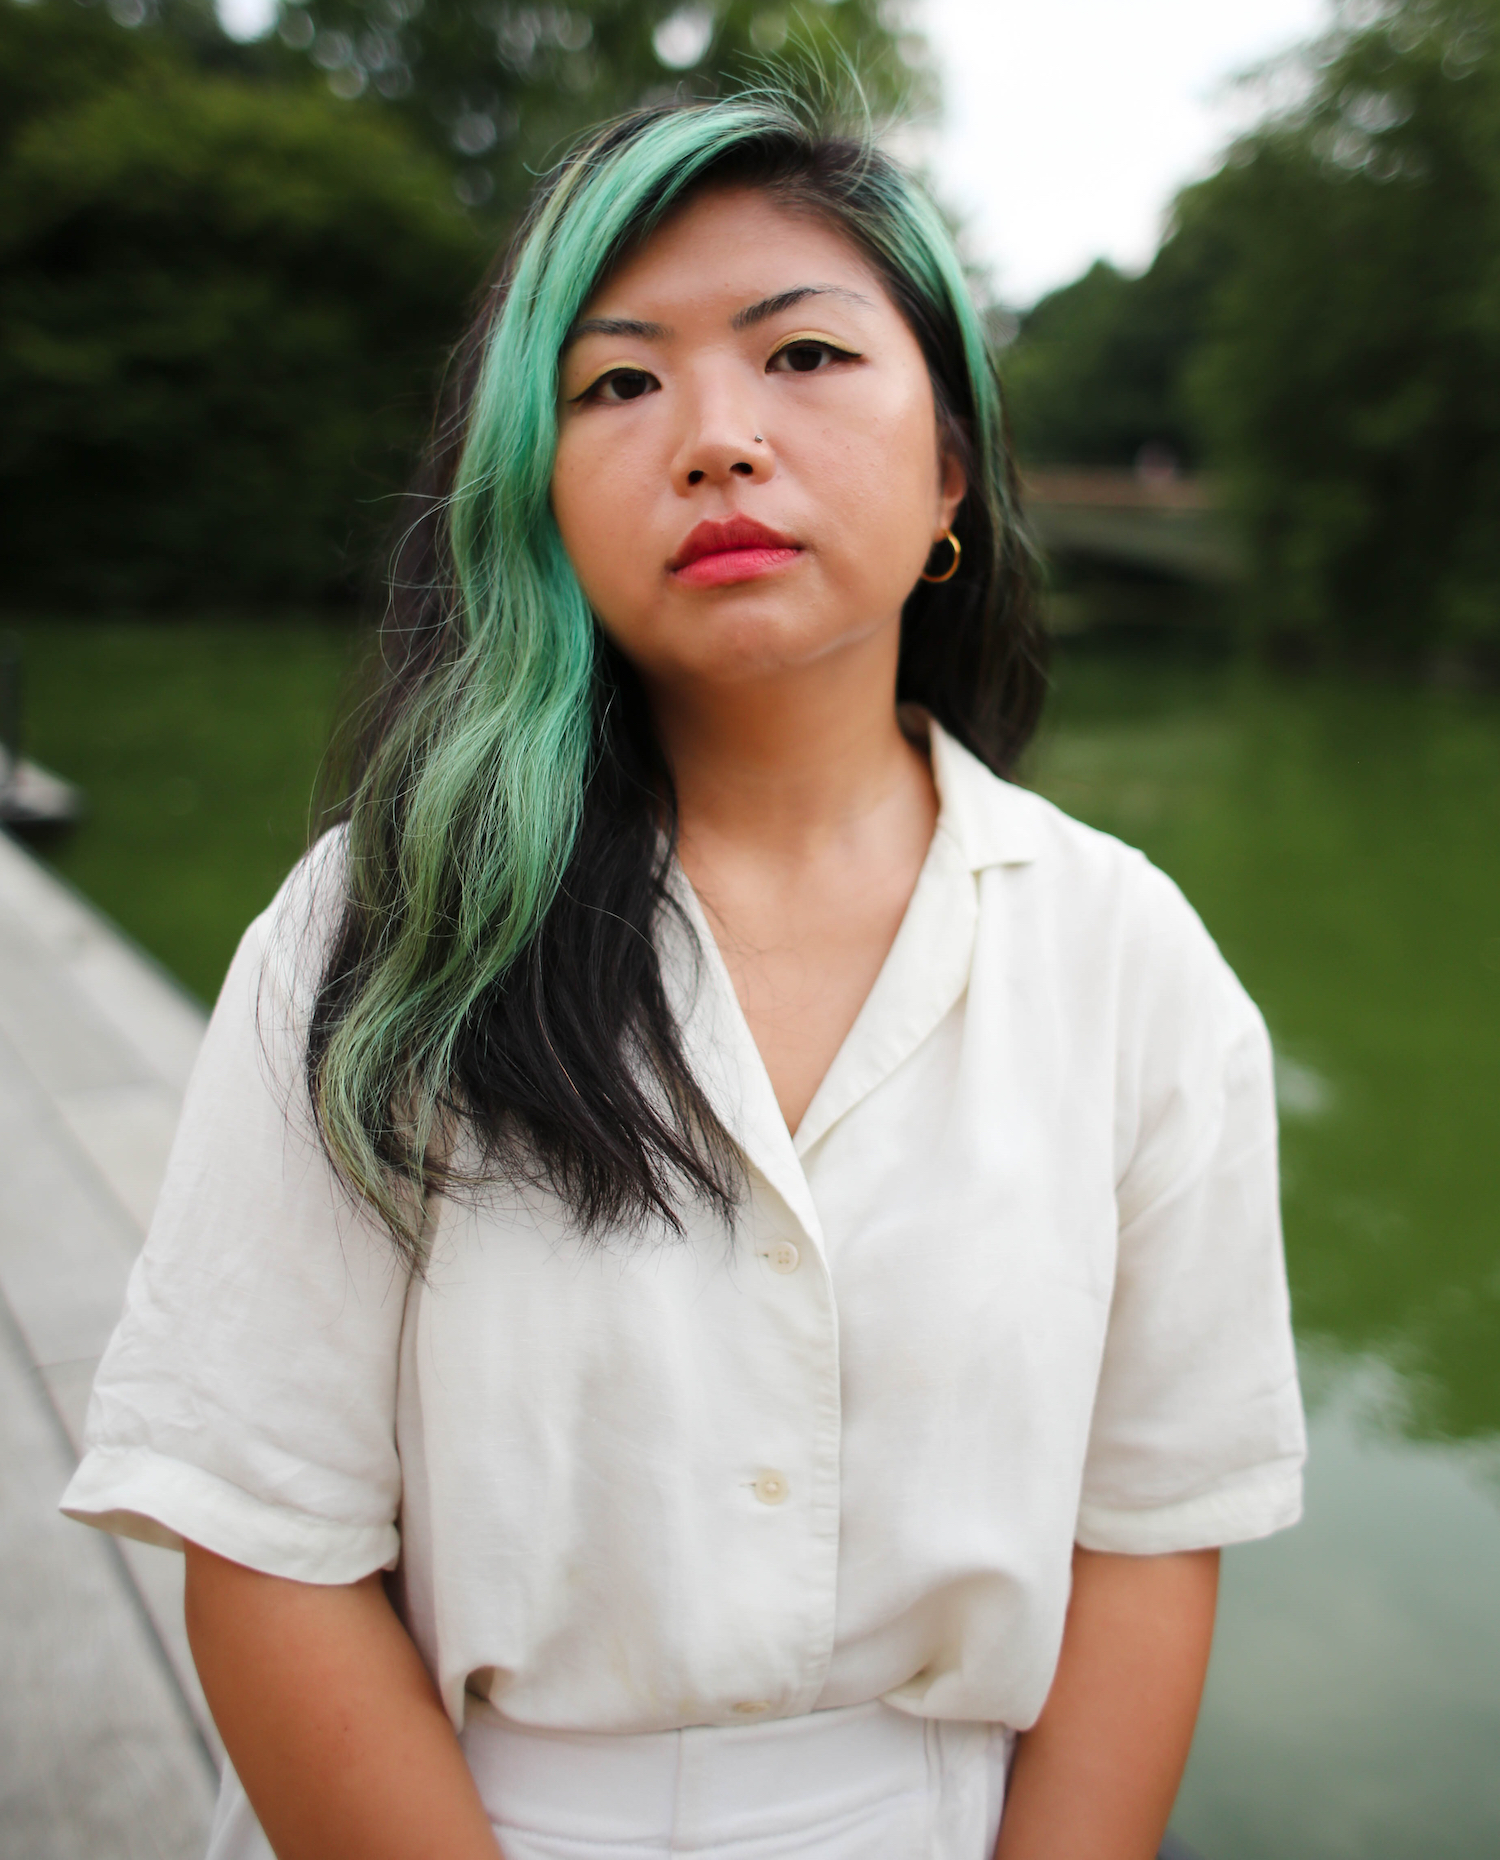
(952, 569)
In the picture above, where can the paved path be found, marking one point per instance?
(107, 1751)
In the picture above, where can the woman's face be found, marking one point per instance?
(748, 472)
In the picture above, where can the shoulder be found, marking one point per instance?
(259, 1025)
(1000, 824)
(1102, 906)
(288, 944)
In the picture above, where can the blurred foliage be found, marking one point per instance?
(229, 278)
(223, 304)
(1096, 370)
(499, 89)
(1349, 380)
(1322, 327)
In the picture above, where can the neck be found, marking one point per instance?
(788, 762)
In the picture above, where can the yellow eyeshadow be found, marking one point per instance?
(813, 335)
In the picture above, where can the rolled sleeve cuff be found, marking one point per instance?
(1253, 1507)
(134, 1492)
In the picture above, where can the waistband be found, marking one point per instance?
(855, 1781)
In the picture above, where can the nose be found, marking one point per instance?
(721, 437)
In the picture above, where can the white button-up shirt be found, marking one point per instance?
(1015, 1282)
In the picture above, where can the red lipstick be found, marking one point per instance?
(738, 549)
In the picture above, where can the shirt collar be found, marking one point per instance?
(982, 821)
(722, 1052)
(989, 819)
(925, 972)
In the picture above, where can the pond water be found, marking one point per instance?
(1342, 841)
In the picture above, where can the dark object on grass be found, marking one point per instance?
(35, 800)
(30, 797)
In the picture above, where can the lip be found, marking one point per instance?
(736, 549)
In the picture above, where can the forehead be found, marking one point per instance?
(734, 244)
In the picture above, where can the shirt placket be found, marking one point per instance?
(780, 1263)
(925, 973)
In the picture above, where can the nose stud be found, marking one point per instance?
(758, 440)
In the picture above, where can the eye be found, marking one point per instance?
(808, 355)
(620, 384)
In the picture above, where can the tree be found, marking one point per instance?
(1321, 327)
(223, 306)
(1349, 378)
(500, 88)
(1095, 372)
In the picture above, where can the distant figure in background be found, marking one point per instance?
(720, 1285)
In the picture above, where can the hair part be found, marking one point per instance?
(492, 1003)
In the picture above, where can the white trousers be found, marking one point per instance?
(861, 1783)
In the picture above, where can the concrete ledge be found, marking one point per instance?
(96, 1043)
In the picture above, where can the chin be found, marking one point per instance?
(746, 648)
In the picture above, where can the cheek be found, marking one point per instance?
(595, 519)
(880, 481)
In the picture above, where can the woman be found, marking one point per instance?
(719, 1287)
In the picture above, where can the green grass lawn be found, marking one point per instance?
(197, 747)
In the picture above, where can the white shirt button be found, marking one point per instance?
(770, 1488)
(784, 1256)
(752, 1708)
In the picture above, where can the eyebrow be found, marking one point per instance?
(787, 300)
(617, 326)
(742, 319)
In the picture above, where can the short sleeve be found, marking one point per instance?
(247, 1398)
(1197, 1437)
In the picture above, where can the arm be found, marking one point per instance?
(330, 1719)
(1096, 1776)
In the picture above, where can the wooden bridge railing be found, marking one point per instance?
(1160, 522)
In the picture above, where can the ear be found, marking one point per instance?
(952, 488)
